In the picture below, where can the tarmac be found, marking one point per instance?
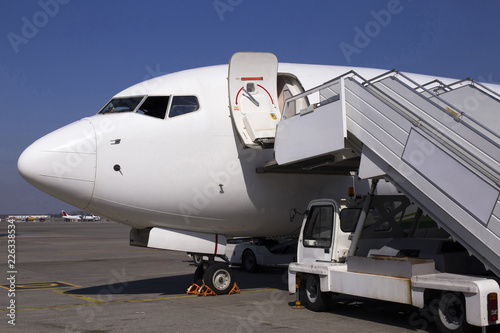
(84, 277)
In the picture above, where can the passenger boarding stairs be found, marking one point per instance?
(439, 144)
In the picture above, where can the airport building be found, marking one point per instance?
(31, 217)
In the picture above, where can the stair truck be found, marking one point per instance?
(329, 261)
(442, 155)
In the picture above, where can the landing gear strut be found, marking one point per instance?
(213, 278)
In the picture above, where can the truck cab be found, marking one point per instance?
(322, 238)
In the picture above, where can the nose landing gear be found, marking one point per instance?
(213, 278)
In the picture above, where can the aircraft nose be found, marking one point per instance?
(62, 163)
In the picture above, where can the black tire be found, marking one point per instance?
(197, 259)
(450, 314)
(249, 261)
(311, 295)
(198, 275)
(219, 277)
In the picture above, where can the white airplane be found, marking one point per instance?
(91, 218)
(67, 217)
(183, 160)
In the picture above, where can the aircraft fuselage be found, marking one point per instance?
(185, 172)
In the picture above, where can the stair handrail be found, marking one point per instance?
(458, 118)
(317, 89)
(487, 170)
(441, 85)
(414, 117)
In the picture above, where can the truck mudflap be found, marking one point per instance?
(475, 290)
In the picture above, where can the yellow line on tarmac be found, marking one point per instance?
(100, 303)
(40, 285)
(77, 253)
(93, 301)
(85, 298)
(255, 290)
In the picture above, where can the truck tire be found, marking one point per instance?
(449, 313)
(197, 259)
(219, 277)
(312, 296)
(248, 261)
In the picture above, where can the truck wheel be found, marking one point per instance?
(248, 261)
(219, 278)
(197, 259)
(312, 296)
(449, 313)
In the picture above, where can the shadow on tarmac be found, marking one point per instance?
(176, 285)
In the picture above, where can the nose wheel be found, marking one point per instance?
(219, 278)
(213, 278)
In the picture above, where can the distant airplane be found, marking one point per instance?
(183, 159)
(67, 217)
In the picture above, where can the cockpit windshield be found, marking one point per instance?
(127, 104)
(153, 106)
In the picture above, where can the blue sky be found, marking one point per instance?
(61, 60)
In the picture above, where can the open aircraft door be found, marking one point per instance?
(253, 97)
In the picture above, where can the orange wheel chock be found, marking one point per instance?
(204, 290)
(193, 290)
(235, 290)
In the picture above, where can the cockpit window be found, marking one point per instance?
(182, 105)
(154, 106)
(127, 104)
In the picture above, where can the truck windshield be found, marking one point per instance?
(319, 227)
(126, 104)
